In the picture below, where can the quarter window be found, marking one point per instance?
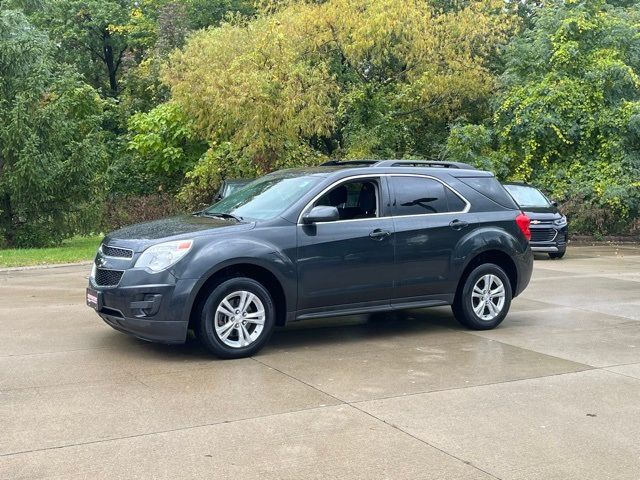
(419, 196)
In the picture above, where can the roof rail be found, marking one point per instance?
(398, 163)
(349, 162)
(424, 163)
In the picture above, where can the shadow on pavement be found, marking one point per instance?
(310, 333)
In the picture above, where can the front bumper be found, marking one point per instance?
(152, 307)
(546, 249)
(549, 239)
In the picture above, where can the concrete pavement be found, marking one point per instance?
(553, 393)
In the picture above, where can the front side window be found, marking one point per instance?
(354, 200)
(420, 196)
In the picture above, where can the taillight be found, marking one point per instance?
(523, 223)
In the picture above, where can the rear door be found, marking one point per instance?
(429, 219)
(348, 263)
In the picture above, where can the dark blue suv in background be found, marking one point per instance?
(343, 238)
(549, 228)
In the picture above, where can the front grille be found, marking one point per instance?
(542, 234)
(116, 252)
(107, 278)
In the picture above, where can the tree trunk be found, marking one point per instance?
(6, 219)
(109, 61)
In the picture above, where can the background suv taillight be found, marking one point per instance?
(523, 223)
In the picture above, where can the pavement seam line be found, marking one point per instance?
(160, 432)
(379, 419)
(619, 373)
(477, 334)
(421, 440)
(342, 402)
(453, 389)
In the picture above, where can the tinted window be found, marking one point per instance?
(490, 188)
(455, 203)
(417, 196)
(527, 196)
(353, 200)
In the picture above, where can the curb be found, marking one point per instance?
(44, 267)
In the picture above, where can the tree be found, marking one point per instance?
(568, 114)
(341, 77)
(95, 35)
(51, 141)
(164, 141)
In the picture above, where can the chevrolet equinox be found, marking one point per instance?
(339, 239)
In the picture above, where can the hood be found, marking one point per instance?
(140, 235)
(542, 213)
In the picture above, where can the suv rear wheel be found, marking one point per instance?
(237, 318)
(484, 299)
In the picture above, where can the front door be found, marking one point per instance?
(348, 263)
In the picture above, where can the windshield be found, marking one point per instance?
(527, 196)
(264, 198)
(229, 188)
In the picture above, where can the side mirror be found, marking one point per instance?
(321, 213)
(554, 203)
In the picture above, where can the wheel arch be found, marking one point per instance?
(258, 272)
(495, 256)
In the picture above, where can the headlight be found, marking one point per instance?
(560, 221)
(162, 256)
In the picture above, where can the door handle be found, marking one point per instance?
(458, 224)
(379, 234)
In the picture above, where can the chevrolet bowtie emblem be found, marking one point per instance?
(535, 222)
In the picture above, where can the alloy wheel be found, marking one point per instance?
(488, 297)
(239, 319)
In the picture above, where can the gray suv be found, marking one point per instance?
(343, 238)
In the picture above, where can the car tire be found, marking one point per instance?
(230, 329)
(556, 255)
(471, 305)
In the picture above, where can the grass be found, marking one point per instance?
(76, 249)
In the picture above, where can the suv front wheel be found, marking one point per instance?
(237, 318)
(484, 299)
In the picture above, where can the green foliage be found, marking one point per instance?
(205, 13)
(567, 118)
(567, 115)
(337, 78)
(164, 141)
(89, 36)
(475, 145)
(51, 140)
(133, 101)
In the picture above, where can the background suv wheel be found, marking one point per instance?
(237, 318)
(484, 299)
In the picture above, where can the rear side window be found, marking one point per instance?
(419, 196)
(455, 203)
(491, 188)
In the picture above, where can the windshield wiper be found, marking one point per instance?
(226, 216)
